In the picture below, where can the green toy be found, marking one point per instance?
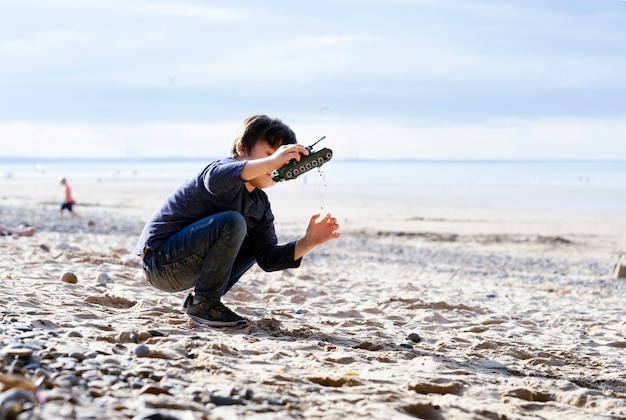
(294, 168)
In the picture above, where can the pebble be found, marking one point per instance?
(492, 364)
(103, 278)
(119, 349)
(219, 400)
(155, 415)
(127, 337)
(20, 352)
(142, 350)
(144, 335)
(16, 382)
(414, 337)
(15, 401)
(67, 380)
(63, 246)
(69, 277)
(288, 399)
(152, 389)
(78, 355)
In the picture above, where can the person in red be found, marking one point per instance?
(68, 201)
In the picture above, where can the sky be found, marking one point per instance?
(381, 79)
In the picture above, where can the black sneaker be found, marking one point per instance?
(212, 312)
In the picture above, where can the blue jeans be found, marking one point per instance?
(207, 255)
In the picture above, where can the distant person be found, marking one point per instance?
(21, 230)
(68, 200)
(217, 225)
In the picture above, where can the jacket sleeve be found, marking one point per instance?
(269, 255)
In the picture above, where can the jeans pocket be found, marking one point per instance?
(179, 275)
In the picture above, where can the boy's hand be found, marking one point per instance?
(263, 160)
(317, 232)
(287, 152)
(320, 231)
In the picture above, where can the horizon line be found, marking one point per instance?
(148, 159)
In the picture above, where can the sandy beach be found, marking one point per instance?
(428, 306)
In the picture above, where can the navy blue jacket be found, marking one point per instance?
(218, 188)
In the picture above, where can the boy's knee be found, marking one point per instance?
(236, 222)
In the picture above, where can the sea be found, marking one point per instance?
(596, 185)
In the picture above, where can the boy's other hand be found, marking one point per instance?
(322, 230)
(317, 232)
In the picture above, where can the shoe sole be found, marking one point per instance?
(210, 323)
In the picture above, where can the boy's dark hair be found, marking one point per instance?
(261, 127)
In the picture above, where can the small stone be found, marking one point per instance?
(136, 383)
(69, 277)
(67, 380)
(104, 278)
(219, 400)
(155, 415)
(119, 349)
(20, 352)
(127, 337)
(91, 223)
(274, 401)
(291, 400)
(141, 350)
(154, 390)
(144, 335)
(78, 356)
(15, 401)
(64, 246)
(247, 394)
(44, 247)
(144, 371)
(414, 337)
(111, 369)
(492, 364)
(16, 381)
(490, 295)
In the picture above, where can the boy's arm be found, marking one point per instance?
(257, 167)
(317, 232)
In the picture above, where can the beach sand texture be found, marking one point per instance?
(420, 310)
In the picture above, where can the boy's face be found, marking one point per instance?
(260, 150)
